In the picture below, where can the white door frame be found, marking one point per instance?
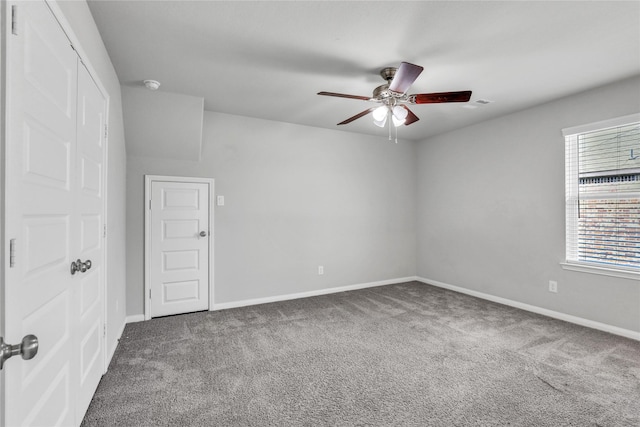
(148, 179)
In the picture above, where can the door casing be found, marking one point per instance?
(148, 179)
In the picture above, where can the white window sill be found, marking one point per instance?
(602, 270)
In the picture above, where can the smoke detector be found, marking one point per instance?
(152, 84)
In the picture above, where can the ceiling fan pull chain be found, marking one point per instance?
(389, 120)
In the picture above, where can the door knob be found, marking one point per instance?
(28, 348)
(203, 234)
(79, 266)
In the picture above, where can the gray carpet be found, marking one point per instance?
(405, 354)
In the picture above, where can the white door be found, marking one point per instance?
(44, 220)
(88, 243)
(179, 239)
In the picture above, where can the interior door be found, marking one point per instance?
(179, 256)
(88, 243)
(42, 71)
(48, 225)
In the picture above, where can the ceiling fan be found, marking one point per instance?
(394, 98)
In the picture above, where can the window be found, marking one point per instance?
(603, 194)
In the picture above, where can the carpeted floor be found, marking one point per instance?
(405, 354)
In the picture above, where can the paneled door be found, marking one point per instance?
(88, 242)
(179, 238)
(54, 214)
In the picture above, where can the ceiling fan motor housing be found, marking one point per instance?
(381, 92)
(388, 73)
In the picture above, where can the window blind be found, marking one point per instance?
(603, 195)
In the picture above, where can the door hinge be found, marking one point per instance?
(149, 293)
(150, 204)
(12, 253)
(14, 20)
(104, 330)
(104, 230)
(106, 131)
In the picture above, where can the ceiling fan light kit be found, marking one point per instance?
(397, 113)
(394, 98)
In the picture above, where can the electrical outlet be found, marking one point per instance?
(553, 286)
(320, 270)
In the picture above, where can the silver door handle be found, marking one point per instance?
(28, 348)
(203, 234)
(79, 266)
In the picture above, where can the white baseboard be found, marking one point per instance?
(134, 318)
(112, 351)
(256, 301)
(539, 310)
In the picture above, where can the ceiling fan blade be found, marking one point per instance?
(342, 95)
(357, 116)
(411, 118)
(404, 77)
(436, 98)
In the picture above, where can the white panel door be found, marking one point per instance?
(54, 190)
(40, 164)
(179, 264)
(88, 242)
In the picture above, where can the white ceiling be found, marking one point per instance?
(268, 59)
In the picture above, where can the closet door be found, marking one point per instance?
(51, 214)
(88, 241)
(40, 162)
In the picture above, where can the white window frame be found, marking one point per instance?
(571, 198)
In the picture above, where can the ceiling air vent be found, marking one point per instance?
(477, 103)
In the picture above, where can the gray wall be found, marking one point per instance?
(84, 27)
(173, 117)
(491, 209)
(295, 197)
